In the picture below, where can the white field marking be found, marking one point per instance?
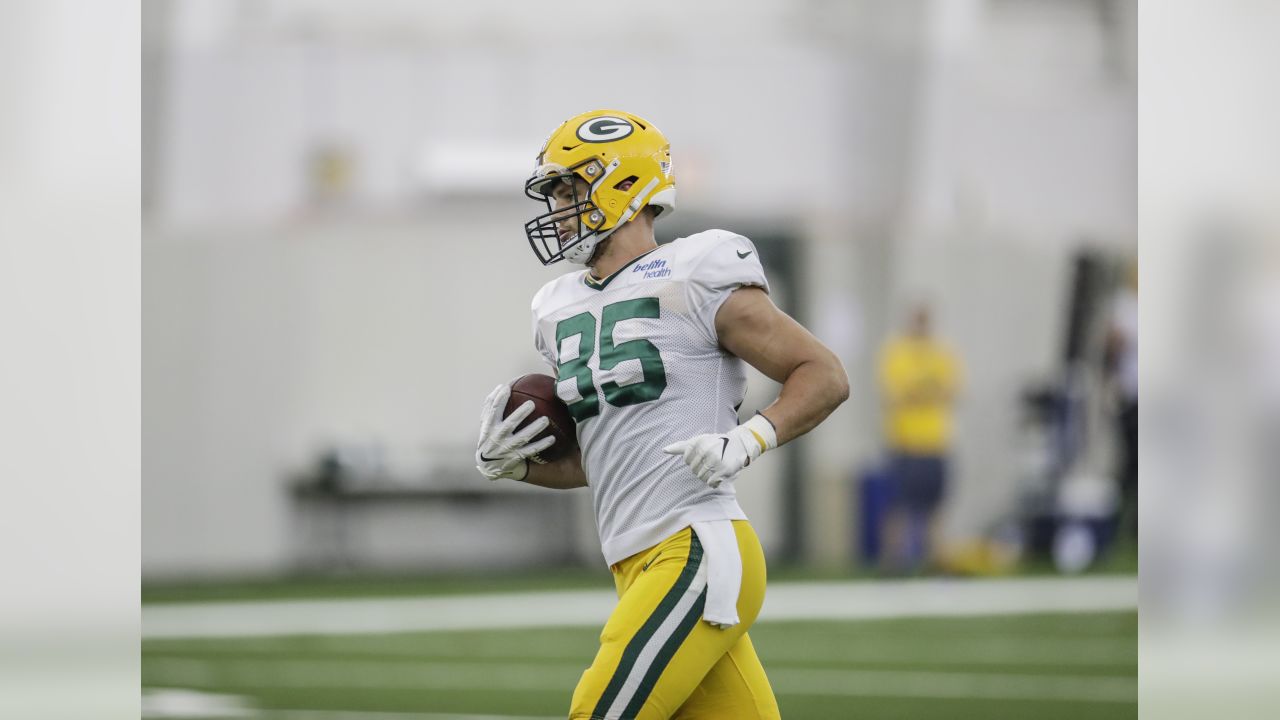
(381, 675)
(512, 677)
(1034, 650)
(383, 615)
(407, 646)
(866, 600)
(957, 686)
(182, 703)
(1017, 650)
(385, 715)
(873, 647)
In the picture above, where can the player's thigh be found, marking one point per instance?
(736, 688)
(655, 616)
(655, 648)
(690, 663)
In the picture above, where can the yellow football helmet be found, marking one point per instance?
(605, 148)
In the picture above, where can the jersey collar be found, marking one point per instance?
(595, 284)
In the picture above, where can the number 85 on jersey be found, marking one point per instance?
(575, 379)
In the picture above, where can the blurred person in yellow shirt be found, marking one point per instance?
(919, 379)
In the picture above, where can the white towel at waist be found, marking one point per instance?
(724, 571)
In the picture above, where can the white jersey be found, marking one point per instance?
(640, 366)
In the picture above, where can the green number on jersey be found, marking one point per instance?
(583, 325)
(655, 375)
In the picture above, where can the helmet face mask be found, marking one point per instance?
(550, 242)
(624, 164)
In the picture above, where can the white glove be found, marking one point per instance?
(502, 452)
(716, 458)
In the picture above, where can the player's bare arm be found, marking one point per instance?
(563, 474)
(813, 380)
(814, 383)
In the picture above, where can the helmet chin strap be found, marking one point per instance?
(584, 250)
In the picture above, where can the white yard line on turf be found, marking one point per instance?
(249, 675)
(785, 601)
(193, 704)
(383, 715)
(955, 686)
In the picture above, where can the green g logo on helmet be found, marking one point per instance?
(604, 129)
(626, 163)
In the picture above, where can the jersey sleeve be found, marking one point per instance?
(723, 263)
(539, 341)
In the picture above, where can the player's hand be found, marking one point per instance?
(715, 458)
(502, 451)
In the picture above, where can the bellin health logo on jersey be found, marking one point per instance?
(653, 269)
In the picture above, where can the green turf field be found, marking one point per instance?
(1120, 560)
(1023, 666)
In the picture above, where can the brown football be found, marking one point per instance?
(541, 389)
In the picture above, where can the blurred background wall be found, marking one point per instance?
(333, 256)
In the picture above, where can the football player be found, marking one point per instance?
(648, 346)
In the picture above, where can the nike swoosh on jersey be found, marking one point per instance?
(743, 255)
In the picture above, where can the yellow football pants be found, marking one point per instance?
(658, 659)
